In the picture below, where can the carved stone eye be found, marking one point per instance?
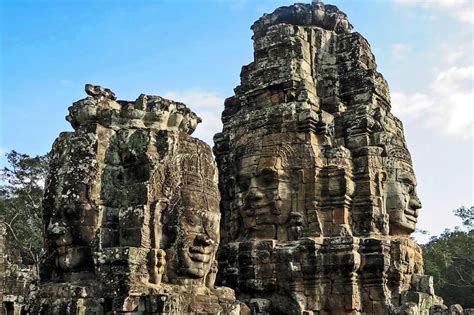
(268, 176)
(243, 182)
(409, 186)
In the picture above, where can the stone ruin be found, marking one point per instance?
(131, 212)
(317, 184)
(312, 208)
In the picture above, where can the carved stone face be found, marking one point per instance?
(402, 201)
(192, 219)
(263, 196)
(72, 231)
(198, 237)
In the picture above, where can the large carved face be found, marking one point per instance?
(402, 201)
(72, 230)
(193, 218)
(198, 238)
(263, 196)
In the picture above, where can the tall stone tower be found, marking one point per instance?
(317, 184)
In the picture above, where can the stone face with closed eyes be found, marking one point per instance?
(317, 184)
(131, 212)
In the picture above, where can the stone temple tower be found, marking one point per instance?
(131, 213)
(316, 180)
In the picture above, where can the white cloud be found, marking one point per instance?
(202, 99)
(449, 105)
(2, 151)
(410, 105)
(207, 105)
(400, 50)
(462, 10)
(454, 55)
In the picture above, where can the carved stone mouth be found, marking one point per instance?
(206, 250)
(200, 254)
(201, 258)
(411, 215)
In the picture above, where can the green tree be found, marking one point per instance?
(21, 192)
(449, 258)
(466, 215)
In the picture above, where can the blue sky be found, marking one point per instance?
(192, 51)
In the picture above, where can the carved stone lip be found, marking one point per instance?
(206, 250)
(411, 215)
(201, 258)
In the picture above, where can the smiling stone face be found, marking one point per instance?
(70, 211)
(257, 198)
(191, 219)
(197, 241)
(402, 201)
(73, 240)
(264, 194)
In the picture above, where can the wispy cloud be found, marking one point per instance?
(202, 99)
(208, 105)
(2, 151)
(453, 56)
(462, 10)
(400, 50)
(448, 106)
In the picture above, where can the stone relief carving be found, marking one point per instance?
(71, 214)
(192, 216)
(402, 202)
(317, 184)
(310, 213)
(132, 212)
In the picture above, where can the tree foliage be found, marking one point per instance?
(449, 258)
(21, 192)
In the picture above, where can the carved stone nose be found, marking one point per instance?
(254, 194)
(203, 239)
(415, 202)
